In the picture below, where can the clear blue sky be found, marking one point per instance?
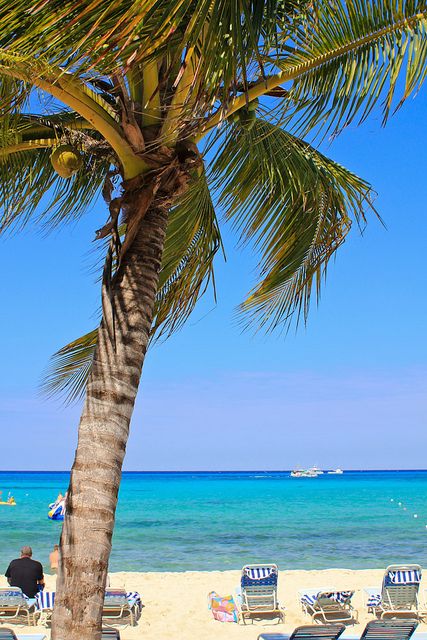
(349, 390)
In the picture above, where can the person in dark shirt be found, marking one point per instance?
(25, 573)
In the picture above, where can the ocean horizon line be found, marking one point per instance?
(218, 472)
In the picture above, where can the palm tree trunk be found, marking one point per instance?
(103, 432)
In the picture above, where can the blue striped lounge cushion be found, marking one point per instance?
(262, 576)
(403, 577)
(13, 598)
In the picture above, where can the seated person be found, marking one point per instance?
(25, 573)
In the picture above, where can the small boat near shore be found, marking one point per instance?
(335, 472)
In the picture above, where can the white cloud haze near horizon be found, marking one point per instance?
(245, 420)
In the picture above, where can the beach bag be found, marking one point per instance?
(223, 609)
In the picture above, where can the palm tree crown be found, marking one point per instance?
(133, 86)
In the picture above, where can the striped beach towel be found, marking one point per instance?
(340, 597)
(12, 597)
(403, 577)
(262, 576)
(374, 600)
(134, 599)
(45, 600)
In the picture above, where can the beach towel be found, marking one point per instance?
(223, 608)
(337, 596)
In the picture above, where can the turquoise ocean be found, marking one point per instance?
(219, 521)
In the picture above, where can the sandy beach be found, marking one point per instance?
(175, 604)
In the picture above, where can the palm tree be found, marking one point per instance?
(156, 105)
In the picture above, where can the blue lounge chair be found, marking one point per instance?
(375, 630)
(14, 606)
(398, 595)
(119, 606)
(110, 634)
(259, 591)
(8, 634)
(326, 605)
(389, 630)
(308, 632)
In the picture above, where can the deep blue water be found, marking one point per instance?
(207, 521)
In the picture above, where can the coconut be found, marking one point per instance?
(252, 106)
(66, 160)
(247, 118)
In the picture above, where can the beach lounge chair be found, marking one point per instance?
(110, 634)
(44, 607)
(118, 607)
(389, 630)
(325, 605)
(14, 606)
(398, 595)
(8, 634)
(258, 596)
(308, 632)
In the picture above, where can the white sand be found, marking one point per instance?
(175, 604)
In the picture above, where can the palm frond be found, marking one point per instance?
(350, 57)
(230, 40)
(69, 368)
(293, 205)
(192, 242)
(27, 175)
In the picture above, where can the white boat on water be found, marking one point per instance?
(313, 472)
(336, 472)
(317, 471)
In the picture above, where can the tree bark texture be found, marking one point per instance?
(103, 432)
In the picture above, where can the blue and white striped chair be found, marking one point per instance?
(44, 606)
(309, 632)
(119, 606)
(389, 630)
(258, 595)
(8, 634)
(328, 605)
(110, 634)
(398, 594)
(15, 606)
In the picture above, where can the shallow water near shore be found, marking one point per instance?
(209, 521)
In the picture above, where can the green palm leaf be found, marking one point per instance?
(350, 57)
(293, 205)
(229, 39)
(192, 241)
(27, 175)
(70, 367)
